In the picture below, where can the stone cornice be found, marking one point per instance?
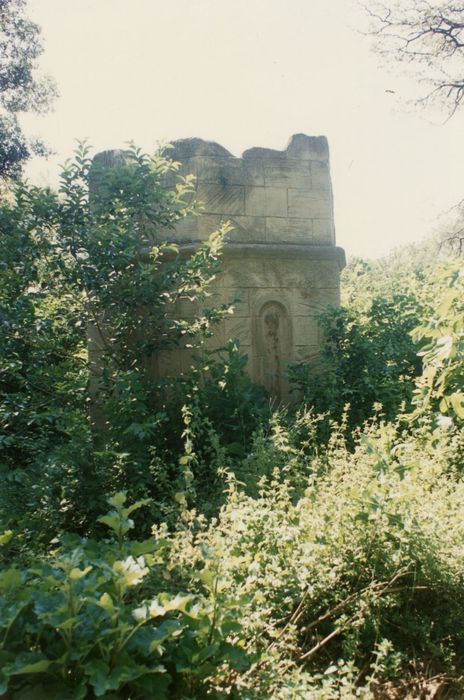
(275, 250)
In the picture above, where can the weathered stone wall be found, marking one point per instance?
(269, 196)
(281, 259)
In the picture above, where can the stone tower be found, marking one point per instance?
(281, 260)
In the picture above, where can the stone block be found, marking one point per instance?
(305, 330)
(309, 204)
(320, 175)
(168, 363)
(212, 170)
(222, 199)
(187, 167)
(170, 179)
(308, 147)
(303, 275)
(320, 274)
(259, 297)
(238, 328)
(264, 154)
(247, 229)
(229, 171)
(216, 283)
(323, 231)
(311, 300)
(265, 201)
(237, 297)
(241, 274)
(283, 230)
(285, 272)
(185, 308)
(306, 353)
(186, 230)
(209, 223)
(275, 274)
(291, 173)
(188, 148)
(217, 339)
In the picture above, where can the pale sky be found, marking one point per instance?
(252, 73)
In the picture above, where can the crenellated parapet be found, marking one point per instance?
(269, 196)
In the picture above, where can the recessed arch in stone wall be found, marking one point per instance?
(272, 347)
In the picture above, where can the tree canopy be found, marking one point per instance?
(22, 88)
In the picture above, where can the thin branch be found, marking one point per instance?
(378, 588)
(428, 35)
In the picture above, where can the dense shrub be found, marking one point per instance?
(84, 622)
(364, 568)
(369, 360)
(440, 389)
(355, 581)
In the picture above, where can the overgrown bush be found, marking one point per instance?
(43, 367)
(369, 358)
(440, 389)
(85, 622)
(333, 592)
(360, 577)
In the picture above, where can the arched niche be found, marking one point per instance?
(272, 340)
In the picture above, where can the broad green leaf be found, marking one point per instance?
(5, 537)
(106, 602)
(76, 574)
(178, 603)
(10, 579)
(145, 547)
(136, 506)
(67, 624)
(457, 402)
(34, 667)
(98, 673)
(118, 500)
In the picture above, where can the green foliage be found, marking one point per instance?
(113, 243)
(43, 368)
(22, 89)
(228, 399)
(85, 622)
(202, 424)
(361, 571)
(440, 389)
(343, 579)
(369, 359)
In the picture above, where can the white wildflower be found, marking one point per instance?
(132, 570)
